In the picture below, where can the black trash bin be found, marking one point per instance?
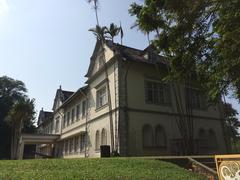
(105, 150)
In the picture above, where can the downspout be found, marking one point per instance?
(116, 121)
(86, 121)
(125, 108)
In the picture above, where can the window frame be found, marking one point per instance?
(101, 97)
(198, 95)
(160, 92)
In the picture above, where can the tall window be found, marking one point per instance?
(66, 147)
(57, 125)
(212, 139)
(71, 145)
(65, 120)
(147, 133)
(101, 97)
(84, 106)
(203, 138)
(68, 118)
(76, 144)
(160, 136)
(83, 141)
(78, 112)
(73, 115)
(97, 140)
(196, 98)
(104, 137)
(157, 93)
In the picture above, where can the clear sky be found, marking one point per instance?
(46, 43)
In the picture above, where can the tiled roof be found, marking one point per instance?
(66, 95)
(136, 55)
(44, 116)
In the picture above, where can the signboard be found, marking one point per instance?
(228, 166)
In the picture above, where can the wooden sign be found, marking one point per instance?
(228, 166)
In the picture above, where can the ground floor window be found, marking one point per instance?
(147, 133)
(160, 136)
(154, 137)
(104, 137)
(97, 140)
(76, 144)
(83, 141)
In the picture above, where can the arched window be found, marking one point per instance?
(97, 140)
(160, 136)
(203, 139)
(212, 139)
(147, 133)
(104, 137)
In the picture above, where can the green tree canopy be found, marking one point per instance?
(16, 109)
(198, 38)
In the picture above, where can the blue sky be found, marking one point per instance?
(46, 43)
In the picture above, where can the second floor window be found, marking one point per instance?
(84, 107)
(101, 97)
(78, 112)
(157, 93)
(196, 98)
(57, 126)
(73, 115)
(68, 118)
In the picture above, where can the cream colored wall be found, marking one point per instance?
(97, 119)
(58, 114)
(108, 56)
(138, 119)
(136, 92)
(136, 101)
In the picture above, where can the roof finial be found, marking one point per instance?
(42, 108)
(60, 87)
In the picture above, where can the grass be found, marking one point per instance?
(113, 168)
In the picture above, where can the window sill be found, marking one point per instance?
(101, 107)
(200, 109)
(154, 147)
(159, 104)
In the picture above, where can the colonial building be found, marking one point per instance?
(127, 105)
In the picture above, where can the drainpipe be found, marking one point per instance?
(86, 140)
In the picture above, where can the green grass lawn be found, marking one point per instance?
(113, 168)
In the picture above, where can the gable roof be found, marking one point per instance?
(137, 55)
(44, 116)
(82, 90)
(61, 95)
(128, 53)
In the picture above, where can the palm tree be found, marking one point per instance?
(95, 6)
(112, 31)
(22, 112)
(145, 32)
(99, 32)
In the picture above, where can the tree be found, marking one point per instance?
(99, 32)
(12, 92)
(20, 116)
(232, 122)
(112, 31)
(196, 37)
(95, 6)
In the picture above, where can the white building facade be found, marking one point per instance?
(127, 105)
